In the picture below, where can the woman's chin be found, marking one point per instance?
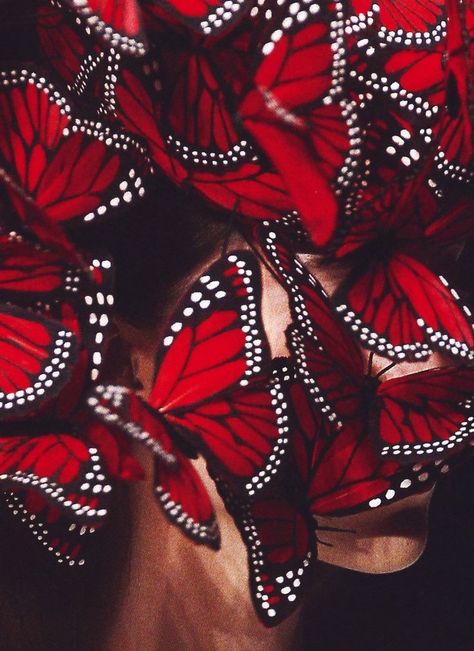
(388, 539)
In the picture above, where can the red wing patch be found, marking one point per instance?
(185, 501)
(63, 468)
(71, 171)
(36, 357)
(117, 22)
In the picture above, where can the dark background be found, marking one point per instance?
(427, 606)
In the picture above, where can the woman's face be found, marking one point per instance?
(382, 540)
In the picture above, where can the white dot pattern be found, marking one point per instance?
(274, 459)
(131, 186)
(110, 404)
(207, 533)
(54, 372)
(380, 344)
(81, 503)
(221, 16)
(267, 586)
(63, 544)
(113, 38)
(98, 301)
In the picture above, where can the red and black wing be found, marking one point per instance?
(118, 22)
(425, 414)
(327, 359)
(244, 435)
(246, 186)
(118, 407)
(185, 501)
(395, 304)
(281, 549)
(293, 114)
(114, 450)
(66, 44)
(177, 484)
(64, 469)
(70, 171)
(403, 18)
(29, 274)
(36, 357)
(53, 531)
(214, 375)
(401, 309)
(344, 473)
(198, 118)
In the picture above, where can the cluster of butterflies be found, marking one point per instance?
(341, 129)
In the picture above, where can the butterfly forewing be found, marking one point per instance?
(425, 414)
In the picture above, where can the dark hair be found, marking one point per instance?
(155, 246)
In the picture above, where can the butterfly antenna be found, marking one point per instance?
(324, 528)
(371, 360)
(336, 529)
(387, 368)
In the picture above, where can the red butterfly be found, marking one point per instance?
(296, 114)
(456, 155)
(199, 78)
(67, 169)
(119, 23)
(324, 475)
(52, 523)
(392, 300)
(30, 273)
(36, 357)
(280, 538)
(38, 350)
(213, 392)
(424, 414)
(191, 134)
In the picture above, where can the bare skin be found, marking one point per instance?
(179, 595)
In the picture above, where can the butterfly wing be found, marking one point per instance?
(117, 406)
(36, 356)
(244, 185)
(62, 468)
(178, 486)
(398, 305)
(242, 436)
(344, 473)
(292, 116)
(61, 537)
(281, 549)
(117, 22)
(29, 274)
(328, 360)
(213, 374)
(425, 414)
(66, 45)
(207, 16)
(68, 169)
(185, 501)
